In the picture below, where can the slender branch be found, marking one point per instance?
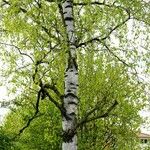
(98, 4)
(51, 1)
(19, 50)
(106, 114)
(116, 56)
(33, 117)
(98, 39)
(54, 89)
(134, 71)
(93, 109)
(45, 93)
(53, 100)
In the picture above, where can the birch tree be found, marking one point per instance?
(117, 129)
(42, 39)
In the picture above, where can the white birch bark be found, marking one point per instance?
(70, 102)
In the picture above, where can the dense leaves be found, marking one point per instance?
(112, 45)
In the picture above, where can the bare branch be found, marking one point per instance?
(106, 114)
(99, 4)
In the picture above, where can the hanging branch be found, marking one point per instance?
(59, 106)
(100, 4)
(89, 3)
(134, 72)
(96, 107)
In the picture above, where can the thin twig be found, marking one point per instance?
(19, 50)
(86, 118)
(98, 39)
(116, 56)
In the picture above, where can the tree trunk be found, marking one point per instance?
(70, 103)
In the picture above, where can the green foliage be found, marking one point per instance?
(109, 53)
(5, 140)
(108, 82)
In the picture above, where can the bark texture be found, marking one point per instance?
(70, 102)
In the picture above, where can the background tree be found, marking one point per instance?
(41, 46)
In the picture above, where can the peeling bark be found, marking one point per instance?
(70, 102)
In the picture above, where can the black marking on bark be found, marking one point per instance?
(73, 88)
(62, 96)
(76, 73)
(69, 1)
(68, 91)
(71, 70)
(70, 64)
(68, 18)
(68, 135)
(71, 31)
(72, 114)
(72, 103)
(70, 94)
(69, 6)
(66, 75)
(64, 12)
(72, 83)
(75, 63)
(64, 114)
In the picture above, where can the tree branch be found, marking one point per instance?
(98, 39)
(106, 114)
(116, 56)
(19, 50)
(54, 89)
(8, 3)
(45, 93)
(33, 117)
(59, 106)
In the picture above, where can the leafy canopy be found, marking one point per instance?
(112, 44)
